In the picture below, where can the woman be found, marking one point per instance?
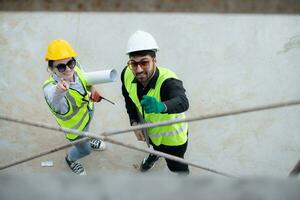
(70, 99)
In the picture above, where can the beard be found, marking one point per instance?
(141, 77)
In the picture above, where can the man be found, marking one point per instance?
(70, 99)
(155, 94)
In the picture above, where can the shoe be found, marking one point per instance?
(148, 163)
(97, 145)
(76, 167)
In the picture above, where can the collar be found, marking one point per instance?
(152, 81)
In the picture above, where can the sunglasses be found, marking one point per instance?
(62, 67)
(134, 65)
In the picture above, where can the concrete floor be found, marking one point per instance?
(115, 159)
(227, 62)
(26, 142)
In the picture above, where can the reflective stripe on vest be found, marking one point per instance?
(78, 115)
(183, 127)
(171, 135)
(76, 109)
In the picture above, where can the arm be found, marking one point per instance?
(130, 106)
(95, 94)
(173, 96)
(173, 99)
(55, 96)
(131, 110)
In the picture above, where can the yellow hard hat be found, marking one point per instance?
(59, 49)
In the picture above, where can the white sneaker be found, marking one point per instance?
(97, 145)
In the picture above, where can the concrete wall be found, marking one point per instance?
(226, 62)
(203, 6)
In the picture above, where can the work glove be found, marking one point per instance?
(95, 95)
(151, 105)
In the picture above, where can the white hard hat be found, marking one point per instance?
(140, 41)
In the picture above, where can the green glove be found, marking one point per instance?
(151, 105)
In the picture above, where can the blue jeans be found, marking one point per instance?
(82, 149)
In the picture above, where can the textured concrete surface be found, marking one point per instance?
(226, 62)
(207, 6)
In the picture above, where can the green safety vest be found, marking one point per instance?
(78, 115)
(170, 135)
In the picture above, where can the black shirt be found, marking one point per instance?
(172, 94)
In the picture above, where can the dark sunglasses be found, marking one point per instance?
(62, 67)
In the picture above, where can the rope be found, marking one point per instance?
(42, 153)
(296, 170)
(168, 156)
(204, 117)
(91, 135)
(138, 127)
